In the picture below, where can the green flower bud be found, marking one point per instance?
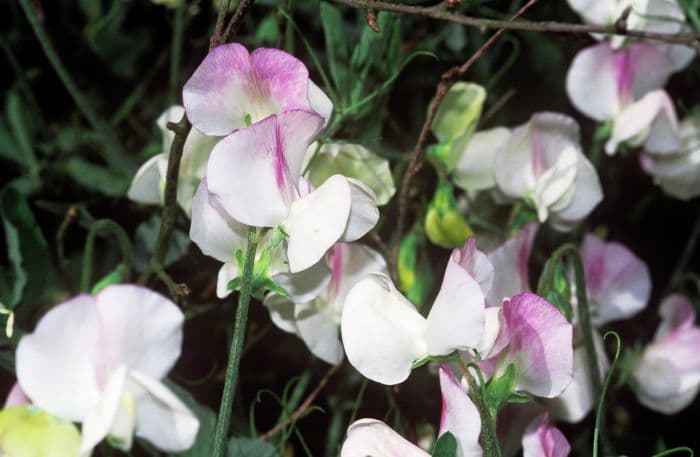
(444, 224)
(26, 431)
(414, 272)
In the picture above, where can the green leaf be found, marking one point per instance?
(445, 446)
(555, 287)
(96, 177)
(22, 129)
(336, 47)
(414, 268)
(500, 389)
(204, 443)
(116, 276)
(250, 447)
(26, 250)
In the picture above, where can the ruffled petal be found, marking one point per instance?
(364, 213)
(459, 415)
(383, 334)
(371, 437)
(147, 185)
(587, 193)
(474, 170)
(161, 417)
(320, 103)
(350, 263)
(510, 264)
(307, 284)
(281, 310)
(319, 330)
(254, 172)
(57, 364)
(316, 222)
(216, 233)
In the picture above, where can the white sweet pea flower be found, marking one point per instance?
(148, 184)
(317, 320)
(99, 360)
(677, 173)
(542, 162)
(254, 175)
(383, 333)
(475, 166)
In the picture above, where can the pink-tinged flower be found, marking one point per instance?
(510, 261)
(543, 164)
(232, 89)
(16, 396)
(618, 282)
(678, 173)
(316, 320)
(254, 175)
(100, 360)
(370, 437)
(537, 339)
(544, 440)
(148, 184)
(384, 334)
(666, 378)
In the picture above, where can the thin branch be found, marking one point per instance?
(236, 19)
(440, 13)
(446, 81)
(70, 216)
(306, 404)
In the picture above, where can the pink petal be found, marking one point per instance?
(510, 262)
(254, 171)
(544, 440)
(459, 415)
(540, 345)
(16, 397)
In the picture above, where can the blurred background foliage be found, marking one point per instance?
(63, 167)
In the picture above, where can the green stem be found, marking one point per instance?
(114, 155)
(176, 50)
(601, 400)
(489, 437)
(104, 225)
(234, 358)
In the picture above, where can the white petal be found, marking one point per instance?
(162, 418)
(363, 212)
(281, 311)
(459, 415)
(319, 330)
(492, 327)
(350, 263)
(147, 185)
(510, 264)
(213, 230)
(320, 103)
(370, 437)
(383, 334)
(587, 193)
(474, 170)
(57, 363)
(305, 285)
(316, 222)
(591, 83)
(600, 12)
(103, 414)
(227, 273)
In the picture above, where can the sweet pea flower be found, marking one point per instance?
(148, 185)
(232, 89)
(542, 163)
(26, 431)
(510, 264)
(534, 336)
(475, 166)
(666, 377)
(316, 321)
(371, 437)
(99, 360)
(383, 333)
(351, 160)
(618, 282)
(544, 440)
(678, 173)
(254, 176)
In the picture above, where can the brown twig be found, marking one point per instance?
(446, 81)
(440, 13)
(372, 20)
(236, 19)
(306, 404)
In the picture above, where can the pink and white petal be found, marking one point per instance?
(306, 284)
(139, 328)
(510, 264)
(316, 222)
(490, 344)
(591, 81)
(101, 418)
(161, 417)
(556, 184)
(146, 187)
(16, 396)
(57, 364)
(383, 333)
(282, 79)
(653, 112)
(618, 281)
(599, 12)
(544, 440)
(350, 263)
(474, 170)
(587, 193)
(677, 314)
(459, 415)
(650, 68)
(227, 273)
(540, 346)
(515, 176)
(221, 91)
(319, 330)
(364, 213)
(474, 262)
(216, 233)
(371, 437)
(658, 387)
(456, 319)
(320, 103)
(281, 310)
